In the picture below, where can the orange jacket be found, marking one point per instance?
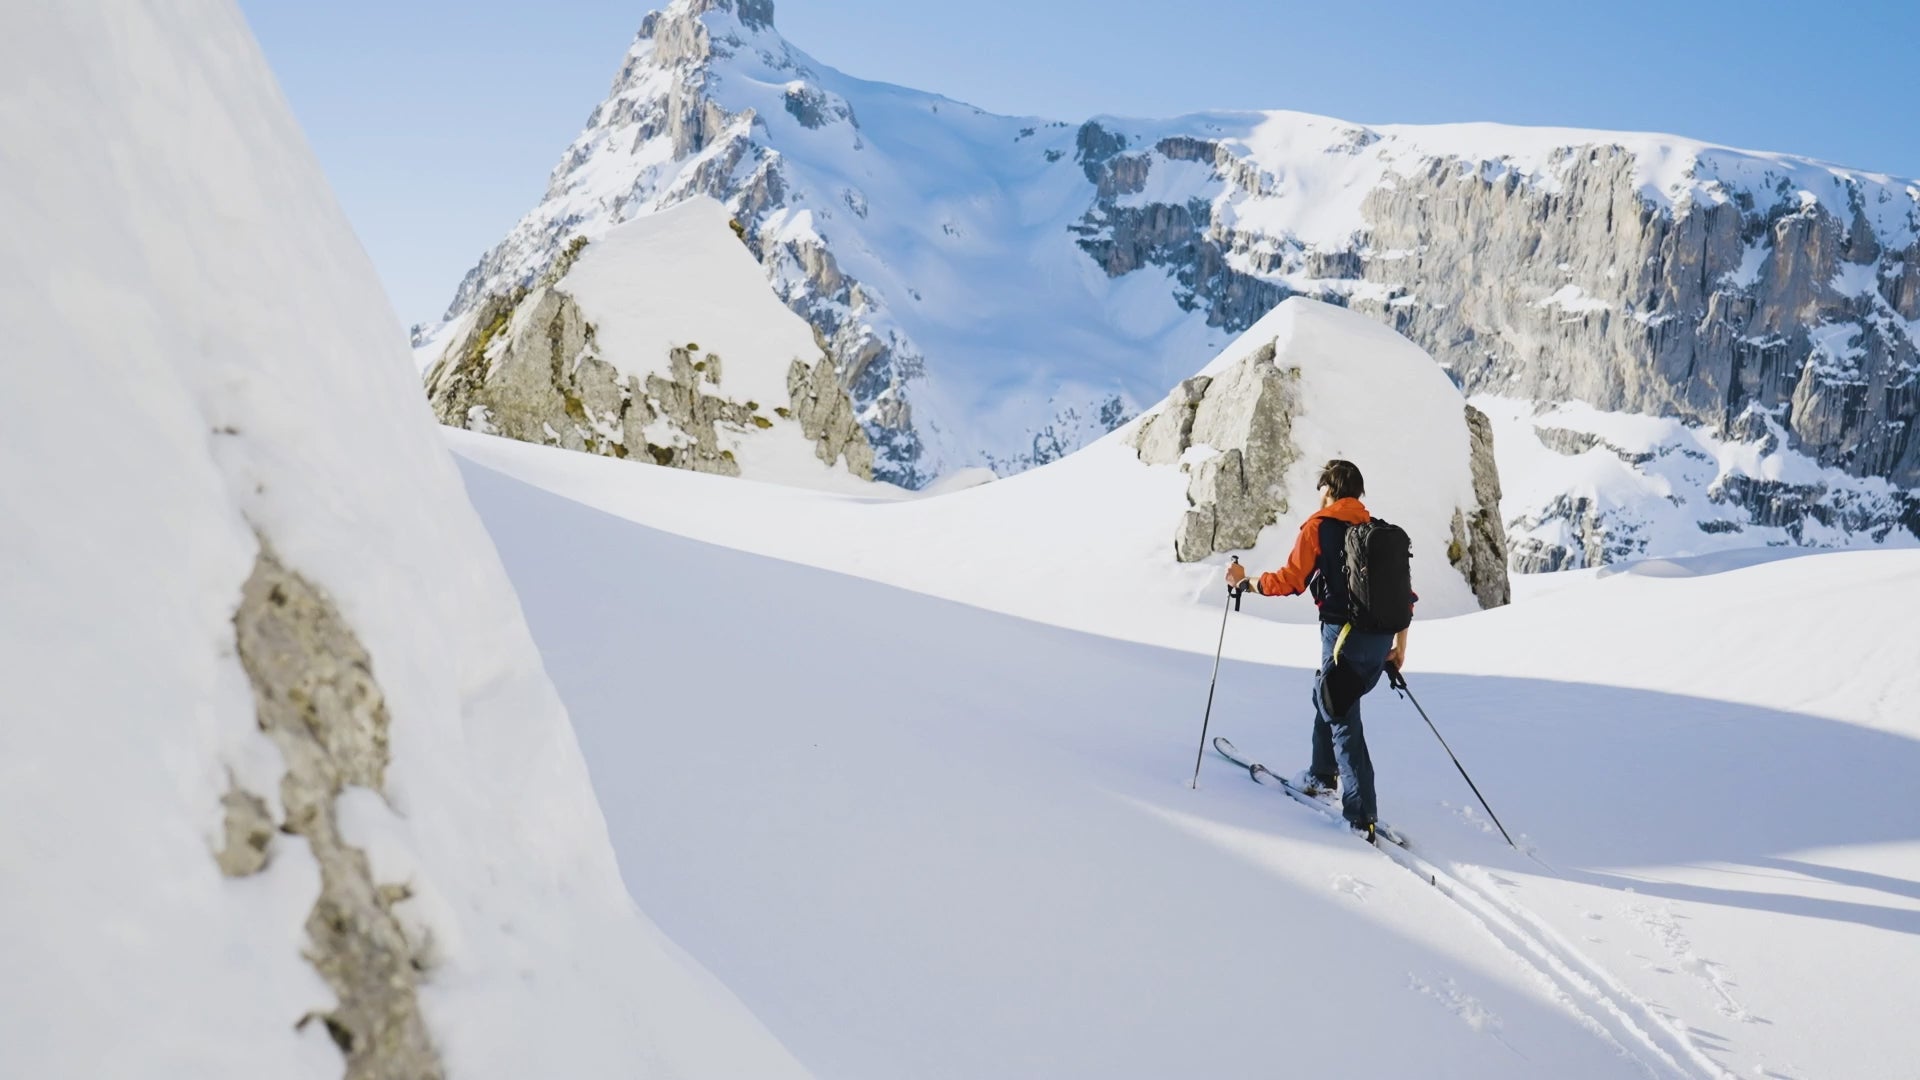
(1292, 578)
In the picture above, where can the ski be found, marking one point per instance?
(1263, 775)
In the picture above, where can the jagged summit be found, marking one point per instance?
(1000, 290)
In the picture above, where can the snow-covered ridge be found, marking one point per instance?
(1000, 290)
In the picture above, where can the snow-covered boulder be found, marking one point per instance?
(283, 783)
(1310, 382)
(659, 342)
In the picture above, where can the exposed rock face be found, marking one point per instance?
(1702, 311)
(316, 696)
(530, 369)
(1242, 418)
(826, 416)
(1245, 414)
(1588, 537)
(1479, 546)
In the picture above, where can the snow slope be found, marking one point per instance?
(933, 839)
(165, 227)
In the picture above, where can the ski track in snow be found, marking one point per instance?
(1603, 1004)
(1534, 941)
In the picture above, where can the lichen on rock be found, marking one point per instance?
(315, 695)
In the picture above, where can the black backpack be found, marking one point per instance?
(1379, 565)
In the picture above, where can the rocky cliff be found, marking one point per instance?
(1068, 273)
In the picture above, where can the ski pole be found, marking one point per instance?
(1233, 604)
(1399, 683)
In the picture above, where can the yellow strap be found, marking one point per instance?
(1341, 640)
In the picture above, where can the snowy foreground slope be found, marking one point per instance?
(934, 839)
(284, 788)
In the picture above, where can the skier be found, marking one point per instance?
(1351, 660)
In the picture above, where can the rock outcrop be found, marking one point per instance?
(315, 694)
(1243, 419)
(530, 366)
(1479, 545)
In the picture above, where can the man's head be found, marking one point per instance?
(1340, 480)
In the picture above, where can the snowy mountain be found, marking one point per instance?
(605, 354)
(284, 787)
(1001, 290)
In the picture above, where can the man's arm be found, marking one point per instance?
(1398, 655)
(1291, 578)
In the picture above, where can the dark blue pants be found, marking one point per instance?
(1339, 742)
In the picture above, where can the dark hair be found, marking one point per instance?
(1342, 479)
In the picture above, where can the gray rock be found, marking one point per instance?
(816, 108)
(1164, 436)
(1479, 545)
(826, 416)
(1596, 540)
(315, 695)
(1245, 415)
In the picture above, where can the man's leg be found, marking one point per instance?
(1363, 657)
(1324, 765)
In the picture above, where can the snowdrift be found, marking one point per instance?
(282, 778)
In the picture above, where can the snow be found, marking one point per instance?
(1573, 300)
(203, 356)
(986, 859)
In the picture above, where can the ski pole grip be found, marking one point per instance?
(1235, 590)
(1394, 678)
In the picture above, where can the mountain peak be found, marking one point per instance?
(751, 14)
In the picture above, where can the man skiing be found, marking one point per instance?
(1351, 658)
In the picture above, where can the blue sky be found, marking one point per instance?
(437, 121)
